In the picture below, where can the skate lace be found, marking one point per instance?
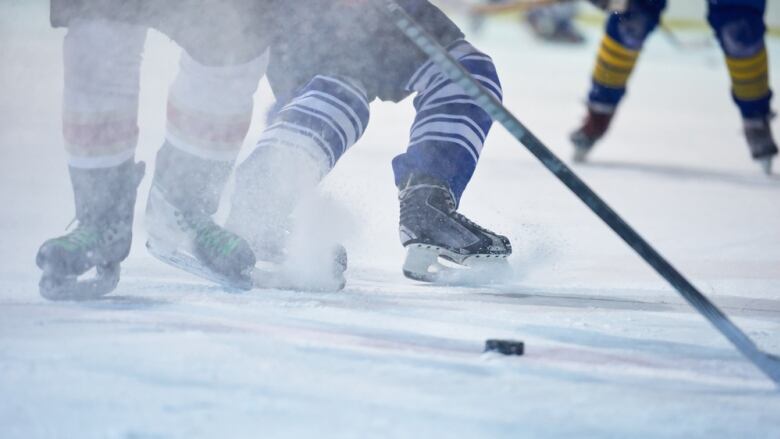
(450, 200)
(80, 237)
(464, 218)
(212, 237)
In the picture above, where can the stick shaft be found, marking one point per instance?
(514, 6)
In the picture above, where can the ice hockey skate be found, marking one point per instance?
(185, 194)
(85, 263)
(592, 130)
(268, 209)
(199, 246)
(194, 243)
(442, 245)
(762, 144)
(253, 249)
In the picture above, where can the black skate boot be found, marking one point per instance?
(761, 143)
(272, 208)
(185, 194)
(105, 200)
(443, 245)
(592, 130)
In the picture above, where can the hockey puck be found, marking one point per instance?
(505, 347)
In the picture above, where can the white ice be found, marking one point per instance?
(612, 351)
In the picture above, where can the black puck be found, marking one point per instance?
(506, 347)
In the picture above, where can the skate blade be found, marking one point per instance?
(580, 155)
(267, 275)
(582, 146)
(71, 288)
(766, 165)
(437, 265)
(188, 263)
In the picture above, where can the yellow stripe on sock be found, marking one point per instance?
(751, 90)
(606, 76)
(745, 75)
(614, 63)
(749, 76)
(749, 62)
(616, 60)
(611, 44)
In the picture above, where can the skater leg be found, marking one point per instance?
(301, 145)
(209, 113)
(625, 35)
(446, 140)
(101, 65)
(102, 61)
(449, 128)
(740, 29)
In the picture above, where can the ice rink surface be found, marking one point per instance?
(612, 351)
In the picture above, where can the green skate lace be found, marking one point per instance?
(215, 238)
(81, 237)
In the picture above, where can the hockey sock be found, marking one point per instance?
(210, 107)
(740, 30)
(449, 128)
(749, 76)
(102, 61)
(325, 119)
(301, 145)
(614, 65)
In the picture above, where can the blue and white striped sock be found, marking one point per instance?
(304, 141)
(326, 118)
(449, 129)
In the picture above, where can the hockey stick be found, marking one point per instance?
(767, 363)
(512, 6)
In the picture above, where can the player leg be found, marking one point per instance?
(209, 114)
(447, 136)
(101, 66)
(739, 26)
(210, 105)
(618, 53)
(302, 143)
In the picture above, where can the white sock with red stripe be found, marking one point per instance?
(210, 107)
(102, 62)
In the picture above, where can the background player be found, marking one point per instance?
(739, 27)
